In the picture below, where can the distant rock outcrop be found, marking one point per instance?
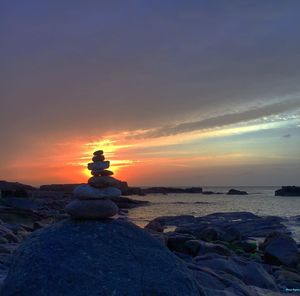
(111, 257)
(288, 191)
(236, 192)
(4, 185)
(14, 189)
(166, 190)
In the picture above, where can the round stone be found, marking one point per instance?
(98, 152)
(98, 166)
(98, 158)
(91, 209)
(88, 192)
(102, 181)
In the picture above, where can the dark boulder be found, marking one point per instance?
(236, 192)
(280, 249)
(288, 191)
(92, 258)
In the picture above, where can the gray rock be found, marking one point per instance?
(91, 209)
(251, 273)
(280, 248)
(92, 258)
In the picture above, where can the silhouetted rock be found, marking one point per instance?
(98, 158)
(236, 192)
(13, 186)
(100, 165)
(288, 191)
(96, 258)
(98, 152)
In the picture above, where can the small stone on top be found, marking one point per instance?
(98, 152)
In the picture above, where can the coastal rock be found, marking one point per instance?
(86, 192)
(98, 152)
(251, 273)
(198, 247)
(102, 182)
(288, 191)
(98, 166)
(112, 257)
(128, 203)
(280, 249)
(98, 158)
(236, 192)
(91, 209)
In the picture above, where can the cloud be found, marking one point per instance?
(222, 120)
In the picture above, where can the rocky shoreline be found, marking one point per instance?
(235, 253)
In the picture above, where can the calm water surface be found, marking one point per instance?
(260, 201)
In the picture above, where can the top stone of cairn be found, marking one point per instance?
(98, 152)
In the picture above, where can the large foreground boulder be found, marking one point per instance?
(90, 258)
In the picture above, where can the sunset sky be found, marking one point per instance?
(178, 93)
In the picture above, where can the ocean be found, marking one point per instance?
(260, 201)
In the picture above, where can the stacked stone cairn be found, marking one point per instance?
(92, 200)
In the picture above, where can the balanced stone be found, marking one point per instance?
(102, 182)
(91, 209)
(98, 158)
(102, 173)
(101, 165)
(89, 192)
(98, 152)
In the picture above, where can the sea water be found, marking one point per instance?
(260, 201)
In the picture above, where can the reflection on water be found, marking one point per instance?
(260, 201)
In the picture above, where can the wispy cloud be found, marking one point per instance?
(220, 121)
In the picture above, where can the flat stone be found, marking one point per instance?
(106, 173)
(98, 166)
(102, 173)
(102, 182)
(98, 152)
(98, 158)
(91, 209)
(89, 192)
